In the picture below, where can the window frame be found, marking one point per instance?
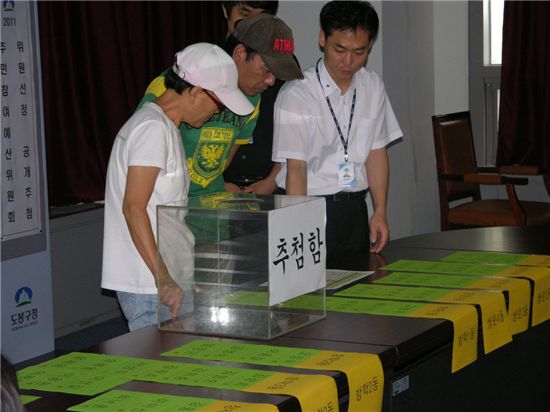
(484, 85)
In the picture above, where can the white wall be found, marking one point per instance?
(451, 56)
(303, 19)
(422, 53)
(426, 72)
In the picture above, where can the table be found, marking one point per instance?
(415, 352)
(515, 377)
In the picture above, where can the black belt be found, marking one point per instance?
(244, 181)
(346, 195)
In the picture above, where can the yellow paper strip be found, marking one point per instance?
(519, 297)
(465, 324)
(535, 260)
(541, 291)
(225, 406)
(494, 317)
(364, 372)
(314, 392)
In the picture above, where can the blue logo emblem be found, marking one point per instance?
(8, 5)
(23, 296)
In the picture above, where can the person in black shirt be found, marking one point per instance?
(233, 11)
(251, 167)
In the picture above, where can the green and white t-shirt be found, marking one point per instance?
(208, 148)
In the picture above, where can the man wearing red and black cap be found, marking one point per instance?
(251, 169)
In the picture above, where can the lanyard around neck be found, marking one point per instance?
(344, 141)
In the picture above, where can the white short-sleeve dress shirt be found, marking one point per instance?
(304, 128)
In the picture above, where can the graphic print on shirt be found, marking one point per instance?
(207, 161)
(227, 116)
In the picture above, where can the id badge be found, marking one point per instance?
(346, 174)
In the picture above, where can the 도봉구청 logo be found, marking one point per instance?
(27, 316)
(23, 296)
(8, 5)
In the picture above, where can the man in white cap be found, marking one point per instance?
(147, 167)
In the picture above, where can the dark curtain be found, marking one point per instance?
(524, 120)
(97, 59)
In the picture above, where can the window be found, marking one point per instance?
(493, 13)
(485, 56)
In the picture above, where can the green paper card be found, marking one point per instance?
(486, 257)
(69, 380)
(309, 302)
(89, 374)
(25, 399)
(428, 279)
(118, 400)
(248, 298)
(444, 267)
(373, 307)
(243, 353)
(395, 292)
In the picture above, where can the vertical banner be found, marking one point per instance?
(22, 194)
(27, 318)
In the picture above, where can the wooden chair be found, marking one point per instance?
(459, 178)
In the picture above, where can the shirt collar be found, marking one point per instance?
(329, 85)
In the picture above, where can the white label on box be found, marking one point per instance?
(297, 251)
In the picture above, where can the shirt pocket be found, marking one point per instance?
(364, 136)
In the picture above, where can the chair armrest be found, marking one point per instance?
(451, 177)
(509, 182)
(484, 179)
(522, 170)
(487, 169)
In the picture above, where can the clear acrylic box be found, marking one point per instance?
(251, 266)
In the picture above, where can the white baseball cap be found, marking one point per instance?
(208, 66)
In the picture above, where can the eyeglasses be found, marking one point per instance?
(216, 101)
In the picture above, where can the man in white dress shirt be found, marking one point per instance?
(331, 132)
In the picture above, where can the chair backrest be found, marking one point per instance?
(455, 154)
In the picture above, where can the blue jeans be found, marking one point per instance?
(140, 310)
